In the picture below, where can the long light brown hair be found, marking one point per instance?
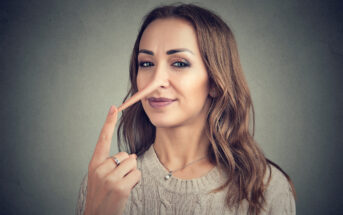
(232, 146)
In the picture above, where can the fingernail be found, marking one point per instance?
(111, 110)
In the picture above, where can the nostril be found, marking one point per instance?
(165, 84)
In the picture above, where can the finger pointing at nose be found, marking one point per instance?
(103, 146)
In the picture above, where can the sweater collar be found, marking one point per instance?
(213, 179)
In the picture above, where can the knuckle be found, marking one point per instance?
(121, 190)
(133, 162)
(98, 173)
(123, 154)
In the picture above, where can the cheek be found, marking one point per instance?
(196, 86)
(140, 81)
(143, 79)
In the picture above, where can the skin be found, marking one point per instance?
(109, 185)
(180, 136)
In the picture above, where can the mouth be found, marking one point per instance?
(160, 102)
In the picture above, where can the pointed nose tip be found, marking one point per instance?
(141, 94)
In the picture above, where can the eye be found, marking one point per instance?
(145, 64)
(181, 64)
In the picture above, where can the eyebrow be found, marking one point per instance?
(170, 52)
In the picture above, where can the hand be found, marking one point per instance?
(109, 185)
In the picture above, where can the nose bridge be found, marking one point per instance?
(161, 75)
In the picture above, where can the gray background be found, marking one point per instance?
(63, 63)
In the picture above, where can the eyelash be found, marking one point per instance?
(185, 64)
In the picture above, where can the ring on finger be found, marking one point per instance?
(115, 160)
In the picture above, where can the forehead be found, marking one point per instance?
(166, 34)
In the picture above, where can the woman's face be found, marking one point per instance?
(169, 51)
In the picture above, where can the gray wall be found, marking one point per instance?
(63, 63)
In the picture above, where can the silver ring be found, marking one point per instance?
(115, 160)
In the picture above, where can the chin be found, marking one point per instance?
(163, 121)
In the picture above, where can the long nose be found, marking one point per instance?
(160, 79)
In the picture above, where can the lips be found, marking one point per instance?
(161, 99)
(160, 102)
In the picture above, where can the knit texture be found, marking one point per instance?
(155, 195)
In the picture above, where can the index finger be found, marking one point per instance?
(103, 146)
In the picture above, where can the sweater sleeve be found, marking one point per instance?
(81, 201)
(281, 199)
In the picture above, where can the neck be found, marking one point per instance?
(176, 147)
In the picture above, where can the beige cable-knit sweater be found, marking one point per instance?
(155, 195)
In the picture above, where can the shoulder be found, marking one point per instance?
(278, 181)
(278, 195)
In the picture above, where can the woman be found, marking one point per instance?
(189, 139)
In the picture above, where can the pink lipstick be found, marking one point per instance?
(160, 102)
